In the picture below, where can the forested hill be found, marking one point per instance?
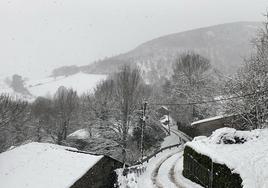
(225, 45)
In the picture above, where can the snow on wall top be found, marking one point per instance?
(248, 159)
(80, 134)
(207, 119)
(43, 165)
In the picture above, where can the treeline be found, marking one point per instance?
(113, 111)
(251, 82)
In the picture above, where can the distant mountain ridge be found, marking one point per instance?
(226, 45)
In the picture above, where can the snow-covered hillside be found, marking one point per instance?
(224, 45)
(80, 82)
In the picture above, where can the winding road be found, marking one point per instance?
(162, 170)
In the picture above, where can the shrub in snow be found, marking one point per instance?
(126, 180)
(127, 177)
(231, 136)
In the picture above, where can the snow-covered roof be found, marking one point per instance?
(207, 120)
(80, 134)
(164, 107)
(164, 119)
(43, 165)
(248, 159)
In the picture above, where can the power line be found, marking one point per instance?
(209, 101)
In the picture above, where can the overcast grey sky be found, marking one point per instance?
(39, 35)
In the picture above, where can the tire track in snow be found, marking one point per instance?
(155, 173)
(172, 173)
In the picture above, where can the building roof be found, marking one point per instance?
(80, 134)
(43, 165)
(207, 120)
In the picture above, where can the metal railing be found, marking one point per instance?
(157, 152)
(139, 168)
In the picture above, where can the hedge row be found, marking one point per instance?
(200, 169)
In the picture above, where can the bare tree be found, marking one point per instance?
(251, 81)
(66, 102)
(191, 82)
(17, 84)
(10, 109)
(127, 86)
(88, 111)
(44, 114)
(115, 101)
(14, 114)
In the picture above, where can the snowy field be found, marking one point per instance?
(80, 82)
(45, 87)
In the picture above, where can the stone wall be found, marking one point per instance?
(200, 169)
(101, 175)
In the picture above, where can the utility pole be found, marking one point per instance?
(142, 126)
(168, 123)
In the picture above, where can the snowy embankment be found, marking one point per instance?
(43, 165)
(244, 152)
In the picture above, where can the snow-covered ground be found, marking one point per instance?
(152, 177)
(80, 82)
(162, 171)
(43, 165)
(249, 159)
(172, 139)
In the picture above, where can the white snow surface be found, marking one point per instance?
(164, 161)
(145, 180)
(42, 165)
(159, 168)
(80, 82)
(170, 140)
(249, 159)
(207, 119)
(128, 181)
(164, 119)
(80, 134)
